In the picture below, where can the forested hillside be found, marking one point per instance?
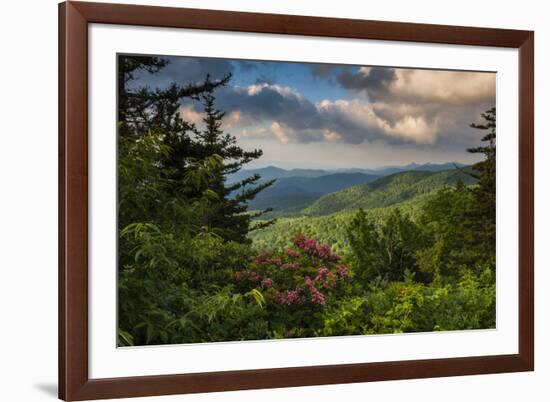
(387, 191)
(329, 228)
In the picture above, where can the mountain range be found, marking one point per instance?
(273, 172)
(315, 191)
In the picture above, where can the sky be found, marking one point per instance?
(331, 116)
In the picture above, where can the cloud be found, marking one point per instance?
(189, 114)
(359, 122)
(293, 118)
(262, 102)
(371, 79)
(282, 133)
(331, 136)
(320, 71)
(413, 107)
(401, 107)
(424, 106)
(233, 119)
(400, 85)
(414, 128)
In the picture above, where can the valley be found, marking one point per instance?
(321, 207)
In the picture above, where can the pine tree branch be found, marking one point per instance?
(245, 182)
(250, 194)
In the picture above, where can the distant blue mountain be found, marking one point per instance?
(426, 167)
(296, 189)
(273, 172)
(291, 194)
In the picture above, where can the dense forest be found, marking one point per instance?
(208, 252)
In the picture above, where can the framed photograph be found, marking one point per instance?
(259, 200)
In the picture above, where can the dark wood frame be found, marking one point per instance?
(74, 17)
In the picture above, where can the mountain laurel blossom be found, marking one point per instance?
(343, 271)
(267, 283)
(315, 249)
(304, 274)
(289, 297)
(290, 265)
(292, 253)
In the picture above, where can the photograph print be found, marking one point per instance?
(275, 200)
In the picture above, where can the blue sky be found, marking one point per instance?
(339, 116)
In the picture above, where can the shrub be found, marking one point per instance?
(297, 284)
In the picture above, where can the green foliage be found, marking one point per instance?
(331, 228)
(452, 222)
(173, 278)
(409, 306)
(386, 250)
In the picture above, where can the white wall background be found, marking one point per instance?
(28, 200)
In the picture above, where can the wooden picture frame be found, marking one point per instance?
(74, 381)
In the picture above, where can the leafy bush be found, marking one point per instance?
(296, 284)
(409, 306)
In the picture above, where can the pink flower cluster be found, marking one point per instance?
(305, 273)
(323, 272)
(290, 265)
(289, 297)
(267, 283)
(343, 271)
(264, 258)
(315, 249)
(291, 253)
(326, 278)
(316, 296)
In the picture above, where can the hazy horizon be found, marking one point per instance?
(321, 167)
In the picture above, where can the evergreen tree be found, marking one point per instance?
(230, 217)
(386, 250)
(485, 172)
(451, 220)
(461, 221)
(142, 112)
(142, 109)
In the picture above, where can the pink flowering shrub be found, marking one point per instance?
(306, 274)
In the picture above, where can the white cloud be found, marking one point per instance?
(233, 119)
(188, 113)
(364, 117)
(452, 87)
(283, 134)
(331, 136)
(365, 70)
(415, 129)
(255, 89)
